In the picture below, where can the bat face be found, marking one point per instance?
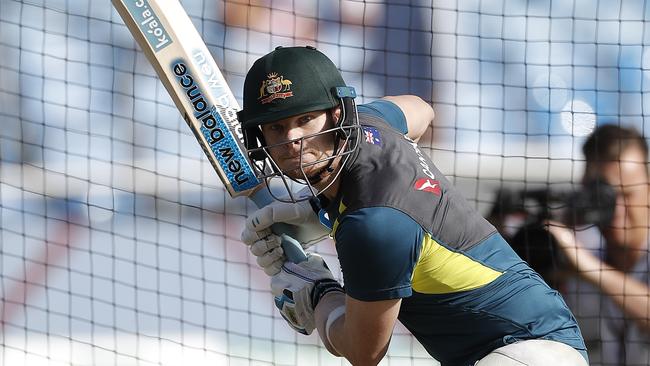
(191, 76)
(222, 145)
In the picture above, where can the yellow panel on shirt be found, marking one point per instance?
(440, 270)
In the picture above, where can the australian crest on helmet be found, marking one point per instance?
(275, 86)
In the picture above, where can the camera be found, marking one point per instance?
(592, 204)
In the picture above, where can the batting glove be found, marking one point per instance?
(266, 246)
(297, 288)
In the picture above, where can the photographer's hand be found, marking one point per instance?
(630, 294)
(572, 250)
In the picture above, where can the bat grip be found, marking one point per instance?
(291, 247)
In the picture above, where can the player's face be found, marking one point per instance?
(629, 177)
(290, 133)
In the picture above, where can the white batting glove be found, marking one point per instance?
(297, 288)
(266, 246)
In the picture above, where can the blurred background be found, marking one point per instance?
(118, 243)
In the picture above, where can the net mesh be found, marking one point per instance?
(119, 245)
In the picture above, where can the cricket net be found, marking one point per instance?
(118, 243)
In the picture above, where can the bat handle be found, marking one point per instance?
(291, 247)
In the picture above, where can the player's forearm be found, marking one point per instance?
(344, 339)
(326, 306)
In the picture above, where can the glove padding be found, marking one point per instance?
(298, 288)
(266, 246)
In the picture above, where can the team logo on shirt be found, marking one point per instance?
(371, 135)
(428, 185)
(275, 86)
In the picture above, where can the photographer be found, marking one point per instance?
(614, 257)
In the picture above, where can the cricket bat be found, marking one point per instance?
(192, 78)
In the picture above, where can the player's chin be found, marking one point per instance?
(291, 169)
(295, 171)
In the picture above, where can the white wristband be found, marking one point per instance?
(331, 318)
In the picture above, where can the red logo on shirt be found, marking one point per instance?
(428, 185)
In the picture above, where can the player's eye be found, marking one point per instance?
(275, 127)
(305, 119)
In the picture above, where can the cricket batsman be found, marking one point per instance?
(410, 247)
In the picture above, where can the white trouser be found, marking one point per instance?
(534, 352)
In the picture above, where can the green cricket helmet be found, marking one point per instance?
(290, 81)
